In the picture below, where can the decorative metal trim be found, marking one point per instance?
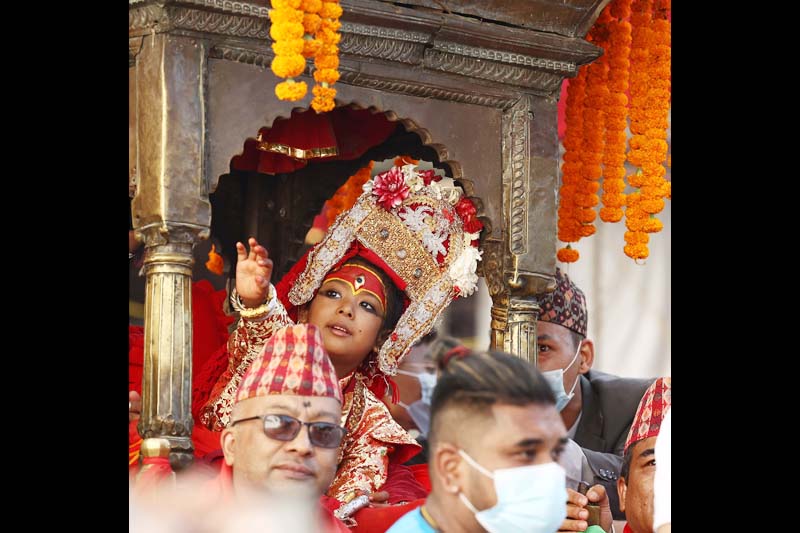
(133, 182)
(385, 33)
(296, 153)
(145, 17)
(134, 47)
(206, 21)
(402, 51)
(506, 57)
(154, 17)
(230, 6)
(519, 193)
(492, 265)
(241, 55)
(489, 70)
(424, 90)
(223, 5)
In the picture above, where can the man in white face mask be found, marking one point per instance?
(495, 435)
(415, 379)
(597, 408)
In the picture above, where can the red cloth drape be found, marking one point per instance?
(352, 131)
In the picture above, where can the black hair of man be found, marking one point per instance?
(472, 382)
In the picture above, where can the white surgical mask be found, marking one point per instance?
(420, 410)
(555, 378)
(530, 499)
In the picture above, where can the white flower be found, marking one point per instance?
(452, 195)
(462, 271)
(414, 219)
(415, 183)
(435, 190)
(409, 171)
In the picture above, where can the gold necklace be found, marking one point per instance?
(428, 518)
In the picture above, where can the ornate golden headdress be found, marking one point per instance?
(422, 231)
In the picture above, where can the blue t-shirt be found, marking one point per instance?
(411, 522)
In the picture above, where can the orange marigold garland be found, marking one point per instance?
(287, 32)
(637, 56)
(215, 263)
(345, 196)
(635, 214)
(326, 61)
(655, 187)
(569, 226)
(311, 23)
(593, 129)
(618, 50)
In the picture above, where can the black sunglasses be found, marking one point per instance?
(286, 428)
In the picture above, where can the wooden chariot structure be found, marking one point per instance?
(471, 86)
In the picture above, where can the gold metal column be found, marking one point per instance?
(522, 265)
(171, 213)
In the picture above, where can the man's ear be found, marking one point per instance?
(447, 467)
(587, 355)
(622, 489)
(228, 440)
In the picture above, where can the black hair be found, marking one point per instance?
(477, 380)
(626, 463)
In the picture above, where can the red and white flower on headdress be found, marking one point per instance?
(390, 188)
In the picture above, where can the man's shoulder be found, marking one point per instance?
(411, 522)
(604, 380)
(616, 388)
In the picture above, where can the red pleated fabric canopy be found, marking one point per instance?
(290, 143)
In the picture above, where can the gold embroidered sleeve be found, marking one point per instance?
(244, 344)
(370, 442)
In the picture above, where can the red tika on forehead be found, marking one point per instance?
(360, 278)
(292, 363)
(654, 405)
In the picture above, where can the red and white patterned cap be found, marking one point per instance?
(294, 363)
(655, 403)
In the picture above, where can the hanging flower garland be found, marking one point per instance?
(636, 238)
(287, 33)
(654, 186)
(593, 129)
(306, 29)
(568, 223)
(583, 150)
(345, 197)
(326, 60)
(618, 50)
(215, 263)
(311, 23)
(635, 36)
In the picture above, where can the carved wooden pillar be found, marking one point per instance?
(170, 213)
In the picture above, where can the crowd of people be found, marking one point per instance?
(334, 388)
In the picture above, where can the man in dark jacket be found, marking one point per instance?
(597, 408)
